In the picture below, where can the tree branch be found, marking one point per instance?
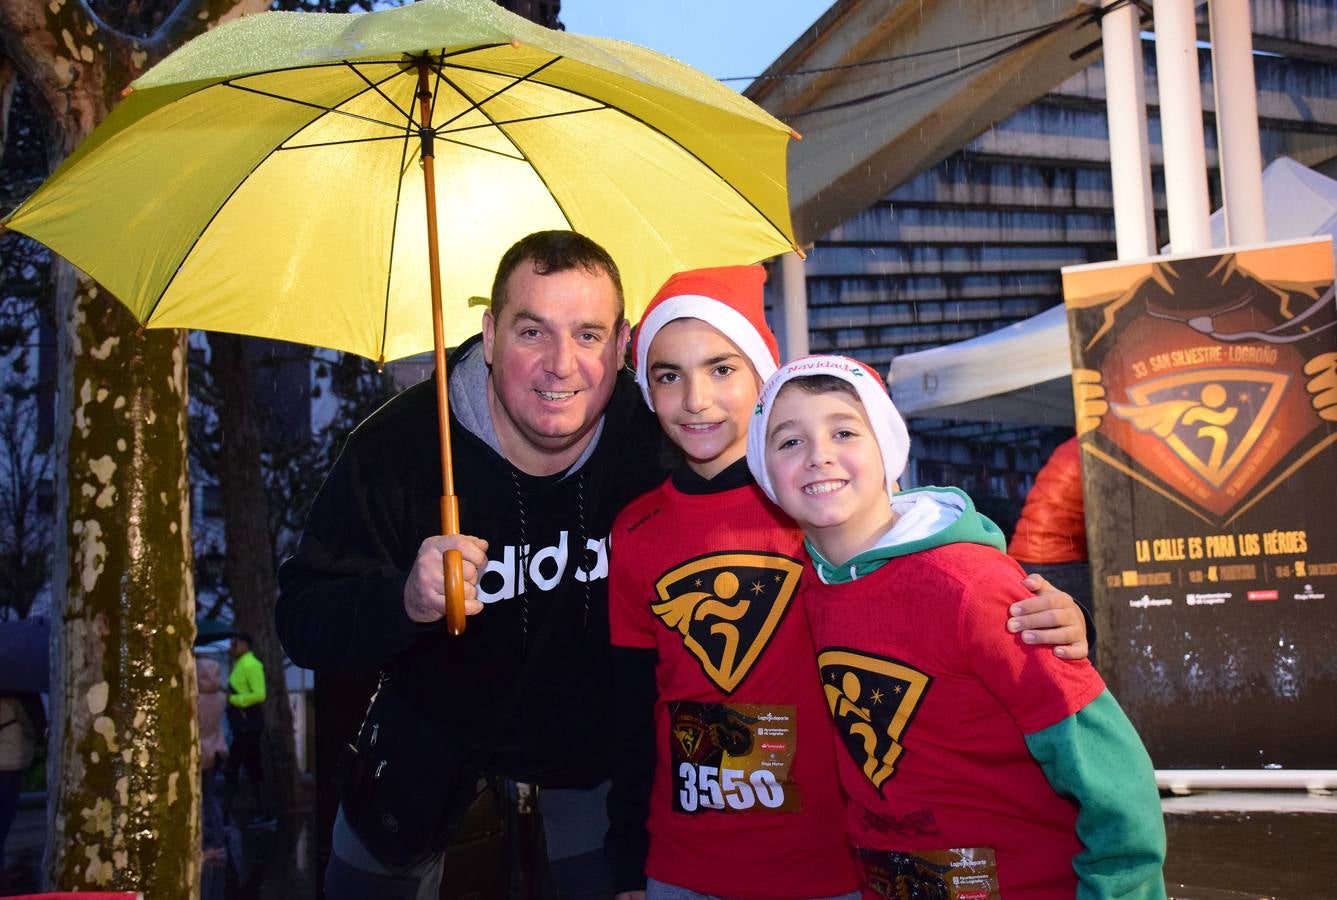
(192, 18)
(8, 78)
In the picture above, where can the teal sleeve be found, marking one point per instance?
(1095, 758)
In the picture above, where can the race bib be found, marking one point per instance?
(964, 873)
(733, 758)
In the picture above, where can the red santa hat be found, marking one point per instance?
(728, 299)
(888, 427)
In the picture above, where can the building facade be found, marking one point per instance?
(975, 241)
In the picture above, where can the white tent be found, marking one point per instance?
(1022, 373)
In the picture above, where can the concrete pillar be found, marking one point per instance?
(1126, 109)
(794, 315)
(1180, 95)
(1238, 149)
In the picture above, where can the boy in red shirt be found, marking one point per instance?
(725, 747)
(975, 765)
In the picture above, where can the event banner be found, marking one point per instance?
(1206, 401)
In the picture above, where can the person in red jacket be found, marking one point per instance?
(1052, 527)
(725, 747)
(1050, 537)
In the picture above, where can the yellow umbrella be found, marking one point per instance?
(268, 177)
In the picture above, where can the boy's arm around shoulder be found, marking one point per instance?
(1036, 686)
(1095, 758)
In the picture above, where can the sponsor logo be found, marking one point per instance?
(1309, 594)
(1147, 600)
(971, 863)
(1263, 595)
(516, 570)
(1207, 599)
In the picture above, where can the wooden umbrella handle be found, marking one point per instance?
(453, 561)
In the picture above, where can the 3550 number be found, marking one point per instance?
(709, 787)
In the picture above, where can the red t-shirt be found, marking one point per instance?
(932, 699)
(746, 801)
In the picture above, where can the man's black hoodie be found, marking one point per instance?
(341, 603)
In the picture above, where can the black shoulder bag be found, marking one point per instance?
(406, 783)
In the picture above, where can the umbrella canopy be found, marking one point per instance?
(24, 652)
(265, 178)
(208, 630)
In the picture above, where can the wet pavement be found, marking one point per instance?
(273, 863)
(1230, 845)
(1223, 846)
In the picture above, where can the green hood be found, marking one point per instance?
(957, 522)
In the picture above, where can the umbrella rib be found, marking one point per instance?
(746, 199)
(306, 103)
(523, 156)
(390, 137)
(180, 264)
(501, 153)
(394, 230)
(478, 104)
(493, 123)
(436, 90)
(408, 116)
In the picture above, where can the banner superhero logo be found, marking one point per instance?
(727, 606)
(1213, 384)
(872, 700)
(1210, 418)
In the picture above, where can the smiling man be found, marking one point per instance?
(553, 341)
(549, 441)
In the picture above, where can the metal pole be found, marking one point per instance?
(1179, 92)
(794, 292)
(1238, 152)
(1180, 780)
(1126, 109)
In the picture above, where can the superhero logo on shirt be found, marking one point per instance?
(727, 607)
(872, 700)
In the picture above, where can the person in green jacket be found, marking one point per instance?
(246, 718)
(971, 762)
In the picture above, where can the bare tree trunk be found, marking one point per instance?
(123, 772)
(250, 549)
(125, 747)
